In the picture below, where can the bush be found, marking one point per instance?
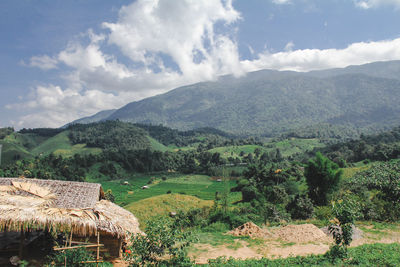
(323, 213)
(216, 227)
(301, 208)
(74, 257)
(323, 177)
(231, 218)
(162, 238)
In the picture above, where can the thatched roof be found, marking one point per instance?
(61, 206)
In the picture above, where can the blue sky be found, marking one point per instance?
(62, 60)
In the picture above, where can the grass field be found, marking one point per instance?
(351, 171)
(201, 186)
(163, 204)
(12, 150)
(61, 145)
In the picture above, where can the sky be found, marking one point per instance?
(63, 60)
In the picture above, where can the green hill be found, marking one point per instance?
(12, 151)
(61, 145)
(273, 102)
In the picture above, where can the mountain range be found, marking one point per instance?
(270, 102)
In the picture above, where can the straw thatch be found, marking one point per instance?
(27, 204)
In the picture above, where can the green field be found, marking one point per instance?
(163, 204)
(287, 148)
(61, 145)
(12, 151)
(201, 186)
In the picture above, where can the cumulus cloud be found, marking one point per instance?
(367, 4)
(165, 44)
(183, 30)
(314, 59)
(152, 34)
(51, 106)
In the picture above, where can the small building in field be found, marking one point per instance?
(76, 209)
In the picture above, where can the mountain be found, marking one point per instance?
(99, 116)
(381, 69)
(270, 102)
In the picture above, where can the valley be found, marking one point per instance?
(213, 181)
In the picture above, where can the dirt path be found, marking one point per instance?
(291, 240)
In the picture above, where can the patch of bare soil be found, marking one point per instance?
(211, 252)
(302, 233)
(250, 229)
(287, 241)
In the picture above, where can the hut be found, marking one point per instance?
(75, 208)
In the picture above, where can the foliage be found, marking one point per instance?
(74, 257)
(110, 135)
(382, 147)
(323, 177)
(275, 191)
(378, 191)
(162, 237)
(300, 208)
(257, 104)
(345, 212)
(5, 131)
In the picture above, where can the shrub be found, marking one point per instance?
(74, 257)
(345, 212)
(300, 207)
(323, 177)
(216, 227)
(162, 238)
(323, 213)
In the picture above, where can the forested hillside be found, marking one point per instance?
(359, 98)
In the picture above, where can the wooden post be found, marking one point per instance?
(21, 244)
(70, 238)
(98, 249)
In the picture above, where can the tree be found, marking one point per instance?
(164, 239)
(323, 177)
(346, 212)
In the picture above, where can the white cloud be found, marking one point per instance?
(153, 33)
(51, 106)
(367, 4)
(289, 46)
(43, 62)
(314, 59)
(183, 30)
(281, 2)
(150, 33)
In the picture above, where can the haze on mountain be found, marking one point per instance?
(270, 102)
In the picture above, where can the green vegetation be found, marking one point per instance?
(79, 257)
(323, 177)
(162, 205)
(163, 238)
(61, 145)
(215, 182)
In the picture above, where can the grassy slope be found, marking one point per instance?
(61, 145)
(10, 150)
(196, 185)
(351, 171)
(155, 145)
(163, 204)
(287, 147)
